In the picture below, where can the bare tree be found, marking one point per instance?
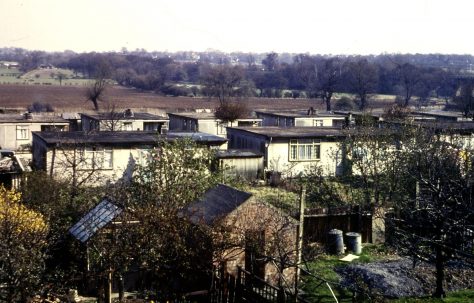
(60, 76)
(433, 225)
(465, 100)
(113, 117)
(224, 83)
(409, 78)
(95, 92)
(363, 78)
(328, 79)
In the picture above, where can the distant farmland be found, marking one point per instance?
(70, 98)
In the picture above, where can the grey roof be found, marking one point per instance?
(300, 114)
(216, 203)
(237, 153)
(95, 219)
(208, 116)
(440, 113)
(136, 116)
(123, 137)
(291, 132)
(448, 126)
(35, 118)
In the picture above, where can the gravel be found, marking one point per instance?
(396, 279)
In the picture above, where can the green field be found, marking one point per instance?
(42, 77)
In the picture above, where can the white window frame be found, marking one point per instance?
(22, 132)
(222, 128)
(97, 158)
(144, 156)
(304, 150)
(318, 122)
(127, 126)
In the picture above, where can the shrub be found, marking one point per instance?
(345, 103)
(231, 111)
(39, 107)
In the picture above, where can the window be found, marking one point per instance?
(144, 156)
(127, 126)
(317, 122)
(152, 126)
(52, 128)
(22, 132)
(221, 128)
(96, 158)
(305, 150)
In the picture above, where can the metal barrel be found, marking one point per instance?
(335, 242)
(354, 242)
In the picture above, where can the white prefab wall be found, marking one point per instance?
(317, 121)
(124, 161)
(278, 159)
(277, 153)
(10, 139)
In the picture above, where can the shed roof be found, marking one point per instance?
(216, 203)
(98, 217)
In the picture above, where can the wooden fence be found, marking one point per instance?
(247, 287)
(318, 222)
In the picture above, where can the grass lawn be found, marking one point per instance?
(463, 296)
(323, 267)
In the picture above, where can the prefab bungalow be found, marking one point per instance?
(16, 129)
(310, 117)
(100, 157)
(124, 121)
(293, 150)
(207, 123)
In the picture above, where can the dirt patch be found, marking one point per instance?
(396, 279)
(71, 98)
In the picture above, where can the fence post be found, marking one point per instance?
(299, 240)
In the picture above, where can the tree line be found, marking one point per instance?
(410, 77)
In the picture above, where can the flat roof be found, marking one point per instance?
(291, 132)
(440, 113)
(452, 125)
(237, 153)
(121, 116)
(300, 114)
(35, 118)
(123, 137)
(209, 116)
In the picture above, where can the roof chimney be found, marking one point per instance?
(28, 116)
(128, 113)
(312, 111)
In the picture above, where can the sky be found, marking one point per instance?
(293, 26)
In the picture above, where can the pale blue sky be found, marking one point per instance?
(296, 26)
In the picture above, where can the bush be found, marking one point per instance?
(345, 103)
(40, 107)
(174, 90)
(231, 111)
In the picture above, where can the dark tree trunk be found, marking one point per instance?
(439, 273)
(328, 103)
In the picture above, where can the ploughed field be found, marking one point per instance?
(69, 98)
